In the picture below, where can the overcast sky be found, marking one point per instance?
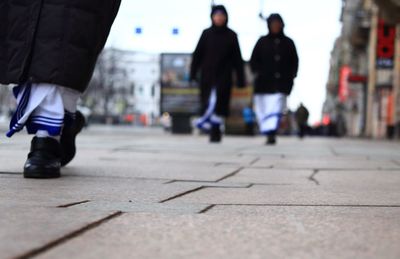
(312, 24)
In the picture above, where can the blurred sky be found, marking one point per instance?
(312, 24)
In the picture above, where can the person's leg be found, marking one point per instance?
(277, 107)
(211, 121)
(304, 128)
(217, 123)
(41, 110)
(204, 123)
(250, 129)
(301, 130)
(74, 121)
(272, 109)
(271, 138)
(263, 110)
(221, 112)
(259, 109)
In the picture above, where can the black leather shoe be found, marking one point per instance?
(215, 134)
(68, 136)
(271, 140)
(44, 159)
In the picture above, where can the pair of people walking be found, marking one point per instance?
(274, 62)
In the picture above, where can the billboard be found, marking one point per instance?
(178, 95)
(386, 45)
(345, 73)
(385, 54)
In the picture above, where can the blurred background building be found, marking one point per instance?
(363, 85)
(125, 88)
(362, 89)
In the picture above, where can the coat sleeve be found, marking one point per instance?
(239, 64)
(255, 60)
(197, 57)
(294, 59)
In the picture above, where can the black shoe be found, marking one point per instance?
(44, 159)
(68, 136)
(215, 134)
(271, 140)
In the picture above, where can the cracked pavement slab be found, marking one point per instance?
(243, 232)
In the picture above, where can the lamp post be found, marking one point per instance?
(372, 73)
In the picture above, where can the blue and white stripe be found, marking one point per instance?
(209, 118)
(40, 107)
(23, 100)
(269, 110)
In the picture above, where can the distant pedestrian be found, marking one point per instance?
(249, 120)
(275, 63)
(216, 57)
(301, 116)
(49, 49)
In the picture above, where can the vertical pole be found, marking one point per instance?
(373, 38)
(396, 83)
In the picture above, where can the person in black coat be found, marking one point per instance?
(216, 57)
(275, 64)
(49, 49)
(301, 115)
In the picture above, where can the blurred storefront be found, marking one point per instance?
(362, 90)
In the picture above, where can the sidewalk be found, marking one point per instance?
(136, 193)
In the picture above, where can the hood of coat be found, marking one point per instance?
(221, 9)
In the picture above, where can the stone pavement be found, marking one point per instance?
(135, 193)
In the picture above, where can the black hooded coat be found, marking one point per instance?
(53, 41)
(216, 57)
(274, 62)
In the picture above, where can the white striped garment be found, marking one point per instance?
(42, 107)
(210, 118)
(269, 110)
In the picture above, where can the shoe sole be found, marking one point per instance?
(41, 174)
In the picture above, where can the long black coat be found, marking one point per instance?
(275, 63)
(216, 57)
(53, 41)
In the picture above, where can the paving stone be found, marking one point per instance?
(25, 228)
(17, 191)
(165, 208)
(244, 232)
(371, 149)
(328, 163)
(292, 147)
(297, 195)
(151, 170)
(271, 176)
(225, 158)
(385, 179)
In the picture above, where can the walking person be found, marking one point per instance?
(49, 48)
(302, 115)
(249, 120)
(216, 57)
(275, 64)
